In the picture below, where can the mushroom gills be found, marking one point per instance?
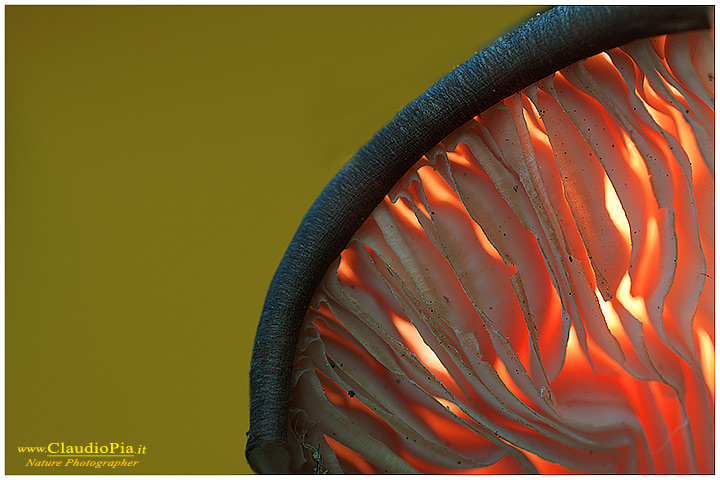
(536, 294)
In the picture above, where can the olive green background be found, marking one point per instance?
(158, 161)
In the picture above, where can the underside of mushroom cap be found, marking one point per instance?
(534, 294)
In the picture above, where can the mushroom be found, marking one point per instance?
(533, 291)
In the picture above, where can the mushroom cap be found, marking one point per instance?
(554, 258)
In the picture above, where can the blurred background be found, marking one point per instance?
(158, 161)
